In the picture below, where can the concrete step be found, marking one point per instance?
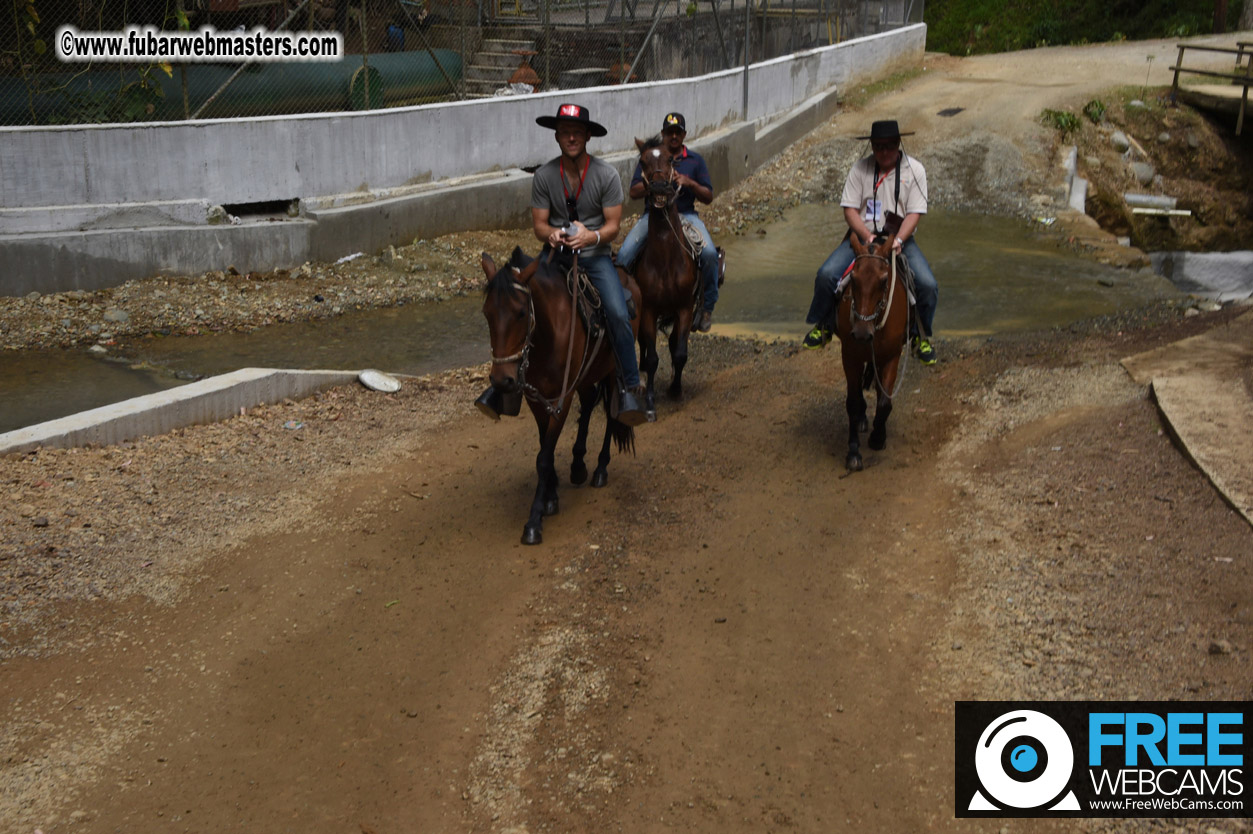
(498, 59)
(484, 87)
(499, 75)
(507, 45)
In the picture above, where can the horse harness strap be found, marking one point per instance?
(530, 328)
(575, 281)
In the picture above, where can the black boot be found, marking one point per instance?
(630, 406)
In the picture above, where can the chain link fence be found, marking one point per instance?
(403, 52)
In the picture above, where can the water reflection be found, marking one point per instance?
(996, 275)
(416, 339)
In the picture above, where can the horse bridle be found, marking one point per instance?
(885, 303)
(523, 356)
(525, 352)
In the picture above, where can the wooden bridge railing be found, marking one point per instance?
(1243, 74)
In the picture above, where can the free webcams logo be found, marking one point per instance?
(1099, 759)
(1024, 761)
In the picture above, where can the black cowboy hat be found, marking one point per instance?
(572, 113)
(885, 130)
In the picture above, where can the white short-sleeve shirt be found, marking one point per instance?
(861, 193)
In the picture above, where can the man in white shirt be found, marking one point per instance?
(885, 194)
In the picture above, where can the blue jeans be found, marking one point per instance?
(604, 277)
(822, 309)
(708, 260)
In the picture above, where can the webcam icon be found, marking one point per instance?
(1024, 761)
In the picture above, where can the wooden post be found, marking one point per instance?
(1174, 86)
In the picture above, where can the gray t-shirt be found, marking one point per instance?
(602, 188)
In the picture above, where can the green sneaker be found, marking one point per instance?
(924, 351)
(816, 338)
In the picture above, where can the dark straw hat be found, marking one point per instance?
(672, 121)
(572, 113)
(885, 130)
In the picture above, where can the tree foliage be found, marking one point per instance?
(971, 27)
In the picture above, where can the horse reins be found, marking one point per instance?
(554, 407)
(883, 308)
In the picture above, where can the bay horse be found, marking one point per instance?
(541, 350)
(666, 271)
(872, 322)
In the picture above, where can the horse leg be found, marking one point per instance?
(883, 404)
(649, 359)
(620, 433)
(587, 404)
(867, 379)
(855, 405)
(678, 350)
(545, 502)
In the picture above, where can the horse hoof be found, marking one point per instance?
(550, 507)
(674, 393)
(578, 473)
(532, 535)
(599, 478)
(878, 441)
(853, 463)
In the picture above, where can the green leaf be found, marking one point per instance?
(184, 22)
(169, 70)
(40, 47)
(32, 14)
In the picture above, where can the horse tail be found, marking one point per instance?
(622, 434)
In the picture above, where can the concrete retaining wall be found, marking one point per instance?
(365, 179)
(206, 401)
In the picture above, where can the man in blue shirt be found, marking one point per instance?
(694, 184)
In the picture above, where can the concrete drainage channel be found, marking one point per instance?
(205, 401)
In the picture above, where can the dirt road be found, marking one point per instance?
(317, 617)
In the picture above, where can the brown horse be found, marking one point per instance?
(872, 321)
(541, 350)
(666, 271)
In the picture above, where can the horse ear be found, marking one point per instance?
(527, 272)
(640, 143)
(884, 249)
(855, 241)
(519, 258)
(489, 266)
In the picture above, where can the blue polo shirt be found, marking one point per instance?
(690, 164)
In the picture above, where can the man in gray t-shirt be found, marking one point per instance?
(576, 202)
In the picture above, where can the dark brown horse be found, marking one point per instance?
(872, 321)
(541, 350)
(666, 271)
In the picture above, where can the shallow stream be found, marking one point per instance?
(995, 275)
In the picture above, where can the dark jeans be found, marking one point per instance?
(822, 309)
(604, 277)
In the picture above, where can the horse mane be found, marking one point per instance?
(652, 142)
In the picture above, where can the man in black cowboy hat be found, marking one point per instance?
(885, 194)
(694, 184)
(576, 202)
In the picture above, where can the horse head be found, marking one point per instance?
(868, 286)
(657, 169)
(510, 315)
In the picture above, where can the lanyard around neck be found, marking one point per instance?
(565, 192)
